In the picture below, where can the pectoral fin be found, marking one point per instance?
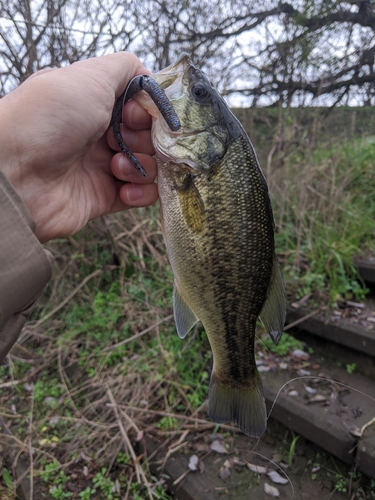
(273, 311)
(184, 317)
(192, 206)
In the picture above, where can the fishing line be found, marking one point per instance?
(317, 378)
(325, 379)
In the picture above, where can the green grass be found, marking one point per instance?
(286, 344)
(325, 211)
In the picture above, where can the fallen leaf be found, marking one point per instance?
(264, 369)
(259, 469)
(349, 303)
(224, 473)
(309, 389)
(300, 355)
(276, 477)
(303, 373)
(218, 447)
(193, 463)
(271, 490)
(293, 393)
(317, 399)
(237, 461)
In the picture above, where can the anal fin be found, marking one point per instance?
(184, 316)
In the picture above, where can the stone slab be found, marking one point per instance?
(365, 458)
(351, 336)
(317, 423)
(366, 268)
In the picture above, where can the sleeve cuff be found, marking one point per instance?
(25, 267)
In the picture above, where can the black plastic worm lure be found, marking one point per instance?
(157, 94)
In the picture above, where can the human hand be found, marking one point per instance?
(59, 153)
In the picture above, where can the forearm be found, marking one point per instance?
(25, 267)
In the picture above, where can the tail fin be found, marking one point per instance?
(243, 404)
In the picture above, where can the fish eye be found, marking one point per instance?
(199, 92)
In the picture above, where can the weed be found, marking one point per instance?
(341, 483)
(168, 423)
(292, 450)
(7, 478)
(351, 368)
(59, 493)
(49, 472)
(87, 494)
(105, 485)
(122, 458)
(47, 389)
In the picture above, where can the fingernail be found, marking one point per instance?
(135, 192)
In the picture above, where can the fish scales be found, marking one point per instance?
(223, 258)
(218, 230)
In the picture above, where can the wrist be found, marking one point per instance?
(14, 138)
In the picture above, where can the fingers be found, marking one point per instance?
(124, 170)
(137, 141)
(137, 195)
(133, 195)
(135, 116)
(138, 191)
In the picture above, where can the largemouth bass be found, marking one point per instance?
(219, 233)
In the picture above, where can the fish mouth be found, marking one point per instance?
(170, 79)
(167, 76)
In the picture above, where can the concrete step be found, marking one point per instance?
(366, 268)
(334, 329)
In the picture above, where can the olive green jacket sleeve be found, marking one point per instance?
(25, 267)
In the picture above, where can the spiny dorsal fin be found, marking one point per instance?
(273, 311)
(184, 317)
